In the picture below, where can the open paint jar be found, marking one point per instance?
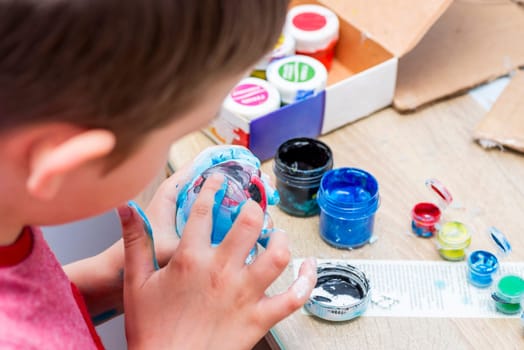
(342, 293)
(452, 240)
(316, 31)
(509, 293)
(348, 199)
(425, 216)
(482, 265)
(299, 166)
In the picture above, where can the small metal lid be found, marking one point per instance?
(445, 197)
(342, 293)
(500, 240)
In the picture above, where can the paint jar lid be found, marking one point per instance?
(252, 98)
(444, 196)
(510, 290)
(454, 235)
(500, 240)
(483, 262)
(297, 77)
(314, 27)
(284, 47)
(342, 292)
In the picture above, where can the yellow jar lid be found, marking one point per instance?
(454, 235)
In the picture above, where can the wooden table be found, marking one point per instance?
(402, 151)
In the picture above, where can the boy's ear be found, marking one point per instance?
(50, 162)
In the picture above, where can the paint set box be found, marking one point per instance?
(361, 80)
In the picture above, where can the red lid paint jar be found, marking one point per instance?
(425, 215)
(348, 199)
(316, 31)
(299, 166)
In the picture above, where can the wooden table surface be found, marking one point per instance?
(402, 151)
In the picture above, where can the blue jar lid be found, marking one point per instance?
(500, 240)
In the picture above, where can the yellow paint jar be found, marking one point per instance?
(452, 240)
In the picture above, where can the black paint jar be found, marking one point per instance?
(299, 166)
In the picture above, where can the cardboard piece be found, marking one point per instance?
(473, 42)
(504, 123)
(361, 81)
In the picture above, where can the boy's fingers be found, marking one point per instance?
(280, 306)
(270, 264)
(138, 247)
(243, 235)
(197, 232)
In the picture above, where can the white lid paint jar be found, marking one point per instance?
(284, 47)
(297, 77)
(316, 31)
(252, 98)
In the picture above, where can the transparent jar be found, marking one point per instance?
(299, 166)
(348, 199)
(452, 240)
(508, 295)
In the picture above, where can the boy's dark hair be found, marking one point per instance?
(124, 65)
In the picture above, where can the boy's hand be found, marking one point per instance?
(207, 297)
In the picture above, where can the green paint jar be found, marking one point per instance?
(508, 295)
(452, 240)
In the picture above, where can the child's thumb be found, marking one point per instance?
(138, 247)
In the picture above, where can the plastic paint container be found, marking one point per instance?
(348, 199)
(316, 31)
(243, 180)
(481, 267)
(252, 98)
(342, 293)
(508, 295)
(425, 216)
(299, 166)
(297, 77)
(284, 47)
(452, 240)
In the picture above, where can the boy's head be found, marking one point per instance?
(84, 81)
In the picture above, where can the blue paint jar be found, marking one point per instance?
(348, 200)
(299, 166)
(481, 267)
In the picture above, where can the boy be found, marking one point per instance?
(92, 94)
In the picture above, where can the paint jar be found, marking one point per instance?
(452, 240)
(252, 98)
(342, 293)
(348, 199)
(243, 180)
(316, 31)
(508, 295)
(481, 267)
(299, 166)
(425, 216)
(297, 77)
(284, 47)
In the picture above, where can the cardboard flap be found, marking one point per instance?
(396, 24)
(504, 125)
